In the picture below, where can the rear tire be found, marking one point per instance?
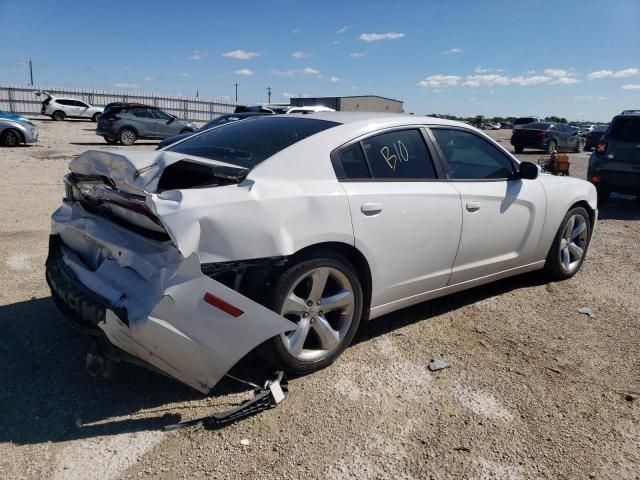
(518, 149)
(110, 139)
(569, 248)
(550, 146)
(323, 295)
(127, 136)
(10, 138)
(58, 116)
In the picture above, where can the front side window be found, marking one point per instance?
(400, 155)
(160, 115)
(470, 157)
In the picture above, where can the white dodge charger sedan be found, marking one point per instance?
(287, 232)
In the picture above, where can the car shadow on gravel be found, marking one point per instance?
(620, 207)
(103, 144)
(439, 306)
(47, 393)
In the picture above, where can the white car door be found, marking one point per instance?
(83, 109)
(502, 216)
(406, 221)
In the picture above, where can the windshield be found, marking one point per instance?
(251, 141)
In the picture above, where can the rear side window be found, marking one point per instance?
(470, 157)
(625, 129)
(251, 141)
(401, 154)
(353, 162)
(67, 103)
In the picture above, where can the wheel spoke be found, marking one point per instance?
(318, 281)
(329, 338)
(294, 304)
(343, 298)
(576, 250)
(298, 337)
(578, 229)
(566, 258)
(569, 227)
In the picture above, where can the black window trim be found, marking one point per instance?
(339, 171)
(443, 162)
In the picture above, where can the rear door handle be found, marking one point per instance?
(371, 208)
(473, 206)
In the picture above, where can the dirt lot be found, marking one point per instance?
(535, 389)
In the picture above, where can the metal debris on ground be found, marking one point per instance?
(437, 364)
(265, 398)
(587, 311)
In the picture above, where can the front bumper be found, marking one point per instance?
(149, 301)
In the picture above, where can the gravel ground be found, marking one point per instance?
(535, 389)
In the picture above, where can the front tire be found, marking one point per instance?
(518, 148)
(577, 149)
(323, 296)
(10, 138)
(569, 248)
(58, 116)
(127, 136)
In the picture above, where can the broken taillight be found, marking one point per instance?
(211, 299)
(601, 147)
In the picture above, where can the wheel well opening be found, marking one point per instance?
(17, 132)
(587, 207)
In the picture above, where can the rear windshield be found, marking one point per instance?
(523, 121)
(251, 141)
(627, 129)
(538, 126)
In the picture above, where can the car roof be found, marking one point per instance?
(382, 118)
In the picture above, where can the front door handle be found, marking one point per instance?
(371, 208)
(473, 206)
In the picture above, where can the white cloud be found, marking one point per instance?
(482, 70)
(298, 55)
(556, 72)
(526, 81)
(197, 55)
(241, 55)
(452, 51)
(531, 72)
(185, 75)
(244, 71)
(565, 81)
(343, 29)
(631, 86)
(589, 97)
(599, 74)
(358, 55)
(333, 79)
(335, 42)
(293, 72)
(488, 79)
(629, 72)
(147, 78)
(375, 37)
(435, 81)
(126, 85)
(288, 95)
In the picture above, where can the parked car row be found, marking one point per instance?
(546, 136)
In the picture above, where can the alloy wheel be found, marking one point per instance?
(322, 303)
(10, 138)
(573, 243)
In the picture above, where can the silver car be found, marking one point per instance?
(15, 130)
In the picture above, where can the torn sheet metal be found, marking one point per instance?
(171, 325)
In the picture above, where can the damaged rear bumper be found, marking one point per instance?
(150, 302)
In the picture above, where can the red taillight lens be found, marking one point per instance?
(595, 179)
(542, 133)
(113, 118)
(211, 299)
(601, 147)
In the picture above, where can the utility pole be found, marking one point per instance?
(269, 93)
(31, 72)
(236, 85)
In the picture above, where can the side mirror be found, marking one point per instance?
(528, 171)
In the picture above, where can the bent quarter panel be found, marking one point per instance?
(411, 243)
(503, 232)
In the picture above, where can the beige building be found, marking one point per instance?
(359, 103)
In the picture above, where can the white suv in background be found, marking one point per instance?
(60, 108)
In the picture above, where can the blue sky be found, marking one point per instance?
(578, 59)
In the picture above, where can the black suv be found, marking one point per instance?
(546, 136)
(614, 166)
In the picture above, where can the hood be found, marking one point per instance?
(14, 117)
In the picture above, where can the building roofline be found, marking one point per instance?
(349, 96)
